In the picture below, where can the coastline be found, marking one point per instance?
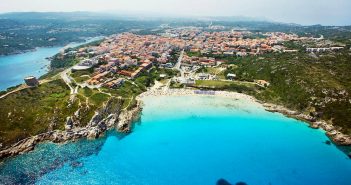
(122, 121)
(19, 52)
(85, 40)
(332, 132)
(44, 70)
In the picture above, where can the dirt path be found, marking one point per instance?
(130, 101)
(24, 86)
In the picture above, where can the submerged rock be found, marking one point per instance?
(76, 164)
(240, 183)
(222, 182)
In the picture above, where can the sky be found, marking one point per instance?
(306, 12)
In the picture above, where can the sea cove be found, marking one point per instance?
(14, 68)
(191, 140)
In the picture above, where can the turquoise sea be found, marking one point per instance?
(14, 68)
(190, 140)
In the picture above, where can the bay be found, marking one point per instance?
(191, 140)
(14, 68)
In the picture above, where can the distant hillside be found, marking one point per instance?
(20, 32)
(58, 16)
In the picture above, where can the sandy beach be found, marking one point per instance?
(125, 120)
(333, 132)
(193, 92)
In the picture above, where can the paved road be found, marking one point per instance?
(179, 63)
(67, 79)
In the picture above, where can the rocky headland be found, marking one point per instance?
(332, 132)
(108, 117)
(112, 116)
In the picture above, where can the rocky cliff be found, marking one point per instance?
(109, 116)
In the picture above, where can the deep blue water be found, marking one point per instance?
(14, 68)
(191, 140)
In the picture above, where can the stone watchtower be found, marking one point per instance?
(31, 81)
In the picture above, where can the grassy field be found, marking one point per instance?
(91, 100)
(219, 72)
(99, 98)
(36, 110)
(94, 96)
(222, 84)
(81, 76)
(235, 86)
(81, 79)
(30, 111)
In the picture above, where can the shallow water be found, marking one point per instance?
(192, 140)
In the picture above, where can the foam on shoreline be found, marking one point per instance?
(331, 131)
(190, 92)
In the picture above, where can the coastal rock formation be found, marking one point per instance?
(111, 115)
(69, 123)
(126, 118)
(339, 138)
(334, 133)
(95, 120)
(93, 133)
(315, 125)
(108, 117)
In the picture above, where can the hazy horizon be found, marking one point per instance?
(306, 13)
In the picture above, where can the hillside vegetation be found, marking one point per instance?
(319, 85)
(34, 110)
